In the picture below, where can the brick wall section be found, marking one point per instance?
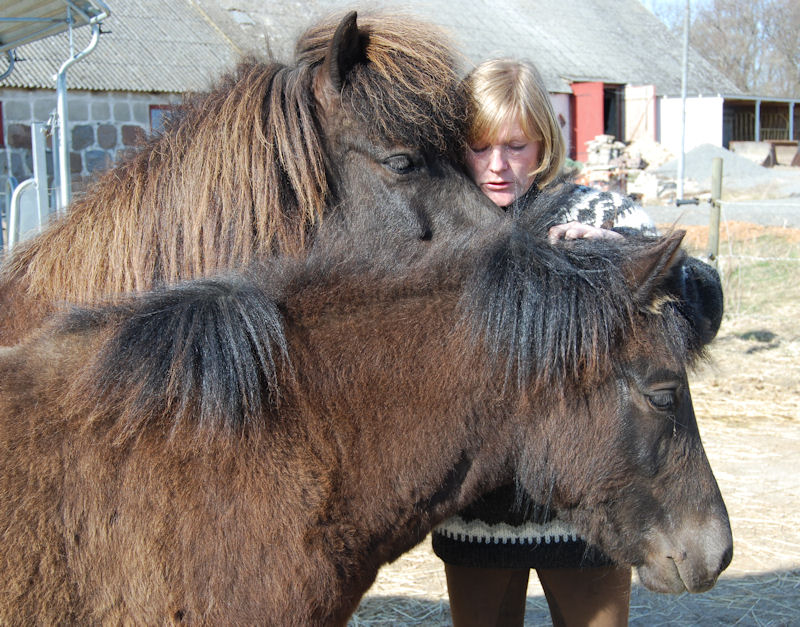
(102, 126)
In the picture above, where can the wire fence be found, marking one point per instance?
(758, 265)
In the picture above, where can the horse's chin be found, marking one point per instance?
(690, 559)
(671, 577)
(662, 576)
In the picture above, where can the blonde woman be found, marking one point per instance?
(515, 151)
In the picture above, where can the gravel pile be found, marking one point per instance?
(736, 170)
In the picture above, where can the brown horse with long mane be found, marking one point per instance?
(250, 451)
(356, 140)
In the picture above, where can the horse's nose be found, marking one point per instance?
(726, 558)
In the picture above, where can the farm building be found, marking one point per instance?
(610, 65)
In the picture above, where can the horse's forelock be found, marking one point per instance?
(549, 319)
(559, 316)
(408, 90)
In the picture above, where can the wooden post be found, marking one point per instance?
(713, 225)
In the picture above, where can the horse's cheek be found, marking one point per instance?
(646, 442)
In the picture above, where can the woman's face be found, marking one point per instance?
(503, 166)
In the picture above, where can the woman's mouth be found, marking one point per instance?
(497, 185)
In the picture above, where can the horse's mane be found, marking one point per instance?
(557, 315)
(241, 172)
(206, 353)
(213, 353)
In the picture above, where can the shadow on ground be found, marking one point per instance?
(767, 599)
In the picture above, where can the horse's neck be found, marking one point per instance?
(389, 378)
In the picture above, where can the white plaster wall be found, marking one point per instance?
(703, 122)
(35, 105)
(561, 106)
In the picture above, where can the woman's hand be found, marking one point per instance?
(578, 230)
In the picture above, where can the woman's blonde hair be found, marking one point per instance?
(501, 90)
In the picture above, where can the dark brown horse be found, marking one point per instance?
(354, 141)
(236, 451)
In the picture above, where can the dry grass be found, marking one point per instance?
(759, 268)
(747, 399)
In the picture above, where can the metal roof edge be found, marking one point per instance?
(20, 35)
(762, 98)
(735, 96)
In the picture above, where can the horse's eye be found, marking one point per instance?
(399, 164)
(662, 400)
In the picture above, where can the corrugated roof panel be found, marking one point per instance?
(146, 45)
(25, 21)
(182, 45)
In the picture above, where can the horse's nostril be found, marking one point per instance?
(426, 235)
(678, 557)
(726, 558)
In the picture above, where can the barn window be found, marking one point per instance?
(158, 114)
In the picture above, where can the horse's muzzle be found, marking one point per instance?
(693, 560)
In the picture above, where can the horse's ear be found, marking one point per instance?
(344, 51)
(651, 267)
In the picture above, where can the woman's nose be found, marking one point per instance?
(497, 159)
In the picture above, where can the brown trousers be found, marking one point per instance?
(495, 597)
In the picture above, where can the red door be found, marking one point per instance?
(589, 121)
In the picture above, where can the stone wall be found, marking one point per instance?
(102, 126)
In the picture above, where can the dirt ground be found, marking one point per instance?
(747, 400)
